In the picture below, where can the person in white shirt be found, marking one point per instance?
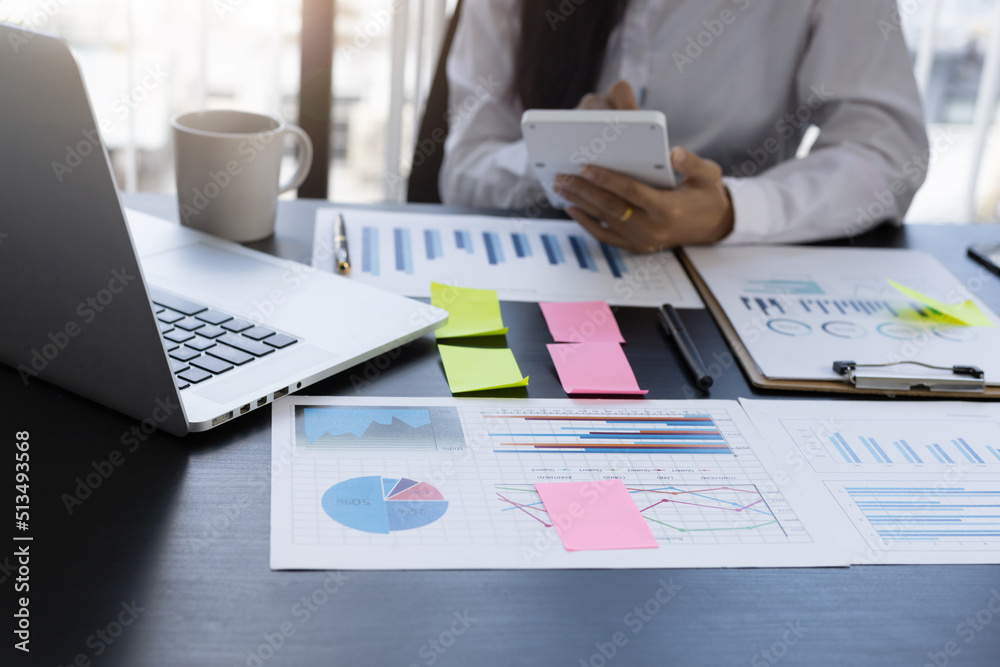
(740, 82)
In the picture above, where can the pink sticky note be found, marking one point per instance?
(581, 322)
(595, 515)
(594, 368)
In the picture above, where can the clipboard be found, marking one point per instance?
(842, 386)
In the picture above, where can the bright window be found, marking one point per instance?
(145, 60)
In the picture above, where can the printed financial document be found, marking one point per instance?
(523, 260)
(443, 483)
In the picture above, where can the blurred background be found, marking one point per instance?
(145, 60)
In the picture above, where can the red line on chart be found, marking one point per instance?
(524, 508)
(681, 493)
(600, 419)
(650, 432)
(713, 507)
(607, 445)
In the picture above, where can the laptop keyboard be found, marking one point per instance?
(204, 342)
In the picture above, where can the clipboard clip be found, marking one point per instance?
(963, 378)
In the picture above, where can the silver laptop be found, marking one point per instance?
(175, 328)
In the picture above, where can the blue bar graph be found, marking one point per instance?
(871, 450)
(404, 252)
(552, 250)
(614, 257)
(940, 453)
(845, 449)
(582, 252)
(432, 241)
(539, 434)
(881, 452)
(913, 454)
(850, 308)
(925, 514)
(463, 240)
(522, 247)
(906, 454)
(494, 251)
(969, 453)
(898, 451)
(840, 449)
(963, 451)
(369, 250)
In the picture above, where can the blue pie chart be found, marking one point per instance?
(379, 504)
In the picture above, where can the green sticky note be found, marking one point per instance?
(471, 312)
(964, 314)
(480, 369)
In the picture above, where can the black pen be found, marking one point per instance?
(341, 258)
(673, 326)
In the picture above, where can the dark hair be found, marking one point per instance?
(561, 50)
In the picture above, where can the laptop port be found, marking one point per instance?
(245, 409)
(281, 392)
(261, 401)
(222, 418)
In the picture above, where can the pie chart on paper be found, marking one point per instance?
(379, 504)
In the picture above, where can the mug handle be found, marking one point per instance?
(305, 158)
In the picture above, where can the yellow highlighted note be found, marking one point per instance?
(964, 314)
(480, 369)
(471, 312)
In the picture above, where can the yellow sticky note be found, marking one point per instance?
(965, 314)
(471, 312)
(480, 369)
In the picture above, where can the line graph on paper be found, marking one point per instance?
(683, 513)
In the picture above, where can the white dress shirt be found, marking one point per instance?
(740, 81)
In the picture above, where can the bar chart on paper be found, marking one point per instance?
(860, 444)
(524, 260)
(905, 481)
(923, 516)
(628, 434)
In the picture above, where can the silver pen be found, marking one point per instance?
(342, 259)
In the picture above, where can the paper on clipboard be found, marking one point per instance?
(797, 310)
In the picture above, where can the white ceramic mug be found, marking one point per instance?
(227, 165)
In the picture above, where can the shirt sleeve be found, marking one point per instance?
(485, 160)
(855, 82)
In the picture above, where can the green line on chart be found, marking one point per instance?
(699, 530)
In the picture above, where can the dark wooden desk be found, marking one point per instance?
(166, 562)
